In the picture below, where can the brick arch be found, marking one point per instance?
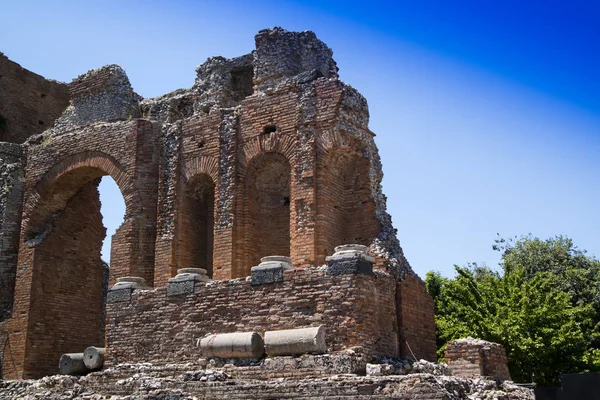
(275, 142)
(65, 281)
(52, 191)
(345, 204)
(201, 165)
(334, 138)
(263, 214)
(196, 217)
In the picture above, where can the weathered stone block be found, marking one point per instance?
(379, 369)
(118, 295)
(180, 286)
(185, 281)
(72, 364)
(270, 270)
(350, 259)
(233, 345)
(295, 341)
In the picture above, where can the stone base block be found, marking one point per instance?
(350, 259)
(185, 281)
(118, 295)
(270, 270)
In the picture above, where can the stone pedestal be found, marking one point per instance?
(185, 281)
(122, 290)
(350, 259)
(270, 269)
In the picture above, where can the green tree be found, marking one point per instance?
(576, 273)
(539, 307)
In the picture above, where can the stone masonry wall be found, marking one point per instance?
(11, 197)
(29, 103)
(357, 310)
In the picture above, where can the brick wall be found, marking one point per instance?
(345, 209)
(217, 177)
(415, 318)
(195, 233)
(67, 297)
(474, 358)
(265, 217)
(58, 167)
(29, 103)
(357, 310)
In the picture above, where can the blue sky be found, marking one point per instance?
(487, 114)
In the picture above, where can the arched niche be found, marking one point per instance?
(195, 234)
(345, 206)
(265, 213)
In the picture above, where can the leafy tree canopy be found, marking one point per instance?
(543, 305)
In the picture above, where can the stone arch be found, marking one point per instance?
(264, 212)
(345, 204)
(195, 222)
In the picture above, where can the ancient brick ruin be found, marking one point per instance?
(268, 154)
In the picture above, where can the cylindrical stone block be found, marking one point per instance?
(199, 271)
(295, 341)
(233, 345)
(351, 248)
(72, 364)
(131, 281)
(93, 357)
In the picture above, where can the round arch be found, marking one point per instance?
(345, 205)
(195, 222)
(264, 210)
(66, 279)
(52, 192)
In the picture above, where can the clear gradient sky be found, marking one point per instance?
(487, 114)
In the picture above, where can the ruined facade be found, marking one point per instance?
(267, 154)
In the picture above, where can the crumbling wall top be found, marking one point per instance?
(99, 95)
(280, 53)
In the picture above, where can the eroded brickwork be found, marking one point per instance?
(267, 154)
(357, 310)
(11, 197)
(29, 103)
(67, 297)
(475, 358)
(415, 312)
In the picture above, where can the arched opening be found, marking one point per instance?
(345, 207)
(64, 238)
(195, 234)
(266, 212)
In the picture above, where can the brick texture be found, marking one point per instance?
(357, 310)
(415, 318)
(267, 154)
(29, 103)
(473, 358)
